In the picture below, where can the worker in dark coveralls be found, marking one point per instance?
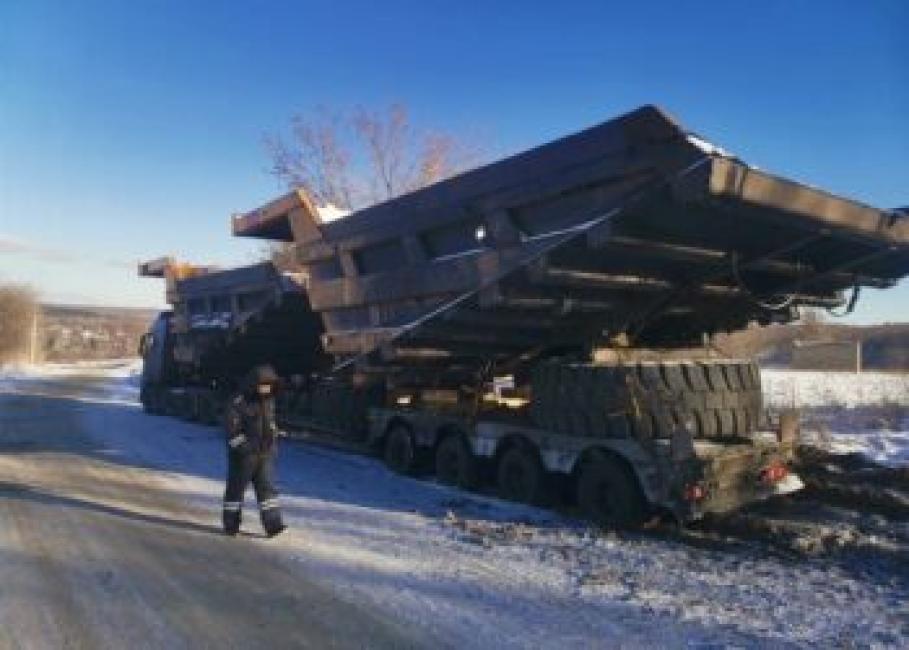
(251, 446)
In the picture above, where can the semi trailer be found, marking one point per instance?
(539, 323)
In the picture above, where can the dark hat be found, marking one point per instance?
(262, 374)
(265, 374)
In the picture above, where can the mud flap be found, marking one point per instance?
(681, 444)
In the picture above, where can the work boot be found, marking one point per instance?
(272, 523)
(231, 522)
(276, 531)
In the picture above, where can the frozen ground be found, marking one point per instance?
(112, 380)
(845, 412)
(460, 570)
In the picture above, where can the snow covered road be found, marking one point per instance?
(97, 551)
(109, 539)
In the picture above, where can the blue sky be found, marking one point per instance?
(133, 129)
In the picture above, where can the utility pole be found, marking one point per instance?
(858, 356)
(33, 338)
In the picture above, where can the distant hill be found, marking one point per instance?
(75, 332)
(94, 311)
(883, 347)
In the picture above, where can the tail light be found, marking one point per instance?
(695, 492)
(774, 474)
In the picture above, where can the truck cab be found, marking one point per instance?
(156, 363)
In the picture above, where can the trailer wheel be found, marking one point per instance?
(184, 408)
(193, 408)
(208, 410)
(151, 401)
(157, 400)
(170, 403)
(520, 476)
(400, 450)
(455, 464)
(609, 494)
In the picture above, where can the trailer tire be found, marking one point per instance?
(194, 408)
(168, 403)
(209, 410)
(520, 476)
(455, 463)
(400, 451)
(184, 407)
(609, 494)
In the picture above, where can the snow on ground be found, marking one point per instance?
(486, 573)
(846, 412)
(889, 448)
(117, 374)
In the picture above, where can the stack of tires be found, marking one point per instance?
(648, 399)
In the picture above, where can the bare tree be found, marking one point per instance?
(17, 312)
(315, 158)
(359, 158)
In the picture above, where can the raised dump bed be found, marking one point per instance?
(222, 323)
(634, 227)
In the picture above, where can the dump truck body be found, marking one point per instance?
(538, 316)
(634, 226)
(222, 323)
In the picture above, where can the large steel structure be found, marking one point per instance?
(634, 226)
(458, 323)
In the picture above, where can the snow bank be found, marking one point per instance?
(115, 380)
(107, 368)
(845, 412)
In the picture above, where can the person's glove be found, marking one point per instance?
(238, 443)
